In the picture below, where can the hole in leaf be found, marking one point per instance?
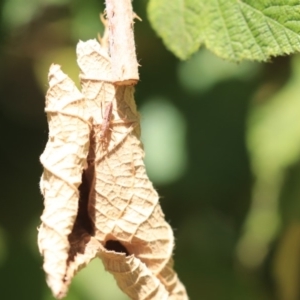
(83, 227)
(116, 246)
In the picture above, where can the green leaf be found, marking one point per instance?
(232, 29)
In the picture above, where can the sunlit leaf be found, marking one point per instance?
(234, 30)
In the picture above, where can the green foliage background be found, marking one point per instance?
(222, 141)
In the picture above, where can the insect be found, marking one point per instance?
(105, 125)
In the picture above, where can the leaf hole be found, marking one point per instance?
(116, 246)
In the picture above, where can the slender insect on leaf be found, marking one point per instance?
(105, 126)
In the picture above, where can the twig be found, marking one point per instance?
(121, 40)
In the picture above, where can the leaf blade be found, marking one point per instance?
(233, 30)
(184, 31)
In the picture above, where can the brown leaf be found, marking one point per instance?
(99, 200)
(63, 161)
(133, 277)
(124, 205)
(172, 283)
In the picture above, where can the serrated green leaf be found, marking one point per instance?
(233, 29)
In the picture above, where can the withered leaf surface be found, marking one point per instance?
(124, 205)
(63, 160)
(133, 277)
(99, 200)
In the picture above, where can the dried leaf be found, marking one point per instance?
(172, 283)
(125, 205)
(89, 251)
(138, 282)
(63, 160)
(98, 198)
(133, 277)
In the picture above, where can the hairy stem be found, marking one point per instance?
(121, 40)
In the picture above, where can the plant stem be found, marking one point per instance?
(121, 40)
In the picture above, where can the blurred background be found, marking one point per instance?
(222, 144)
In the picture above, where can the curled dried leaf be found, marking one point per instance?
(133, 277)
(99, 200)
(126, 206)
(173, 285)
(63, 160)
(123, 205)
